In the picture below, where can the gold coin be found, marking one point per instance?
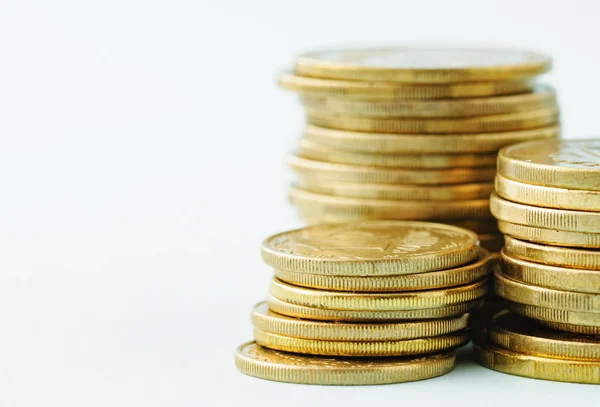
(387, 209)
(255, 360)
(405, 347)
(268, 321)
(356, 173)
(561, 219)
(406, 282)
(396, 192)
(537, 367)
(369, 248)
(550, 236)
(477, 124)
(491, 242)
(423, 65)
(424, 143)
(517, 333)
(560, 278)
(553, 256)
(547, 197)
(325, 314)
(517, 291)
(577, 329)
(541, 97)
(391, 90)
(572, 164)
(377, 301)
(314, 151)
(557, 316)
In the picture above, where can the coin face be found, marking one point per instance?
(556, 163)
(424, 65)
(371, 247)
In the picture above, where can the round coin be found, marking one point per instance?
(548, 197)
(318, 152)
(516, 291)
(550, 236)
(553, 256)
(325, 314)
(557, 316)
(541, 97)
(379, 175)
(561, 219)
(397, 192)
(572, 164)
(424, 143)
(417, 346)
(423, 65)
(477, 124)
(266, 320)
(407, 282)
(577, 329)
(515, 332)
(392, 91)
(537, 367)
(560, 278)
(255, 360)
(377, 301)
(368, 248)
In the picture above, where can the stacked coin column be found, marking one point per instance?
(413, 133)
(396, 292)
(547, 202)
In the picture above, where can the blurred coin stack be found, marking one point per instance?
(413, 133)
(367, 302)
(547, 203)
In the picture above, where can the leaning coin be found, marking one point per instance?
(255, 360)
(552, 255)
(550, 236)
(557, 316)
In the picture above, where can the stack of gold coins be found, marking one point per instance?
(547, 203)
(394, 292)
(413, 133)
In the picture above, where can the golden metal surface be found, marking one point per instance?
(561, 219)
(577, 329)
(255, 360)
(536, 195)
(377, 301)
(478, 124)
(552, 255)
(406, 282)
(425, 143)
(405, 347)
(318, 152)
(550, 236)
(393, 90)
(423, 65)
(368, 174)
(557, 316)
(371, 248)
(541, 97)
(572, 164)
(266, 320)
(324, 314)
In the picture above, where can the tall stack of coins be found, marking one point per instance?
(413, 133)
(394, 292)
(547, 203)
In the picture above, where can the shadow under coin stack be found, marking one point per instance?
(413, 133)
(547, 203)
(367, 302)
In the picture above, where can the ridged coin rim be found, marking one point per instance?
(558, 316)
(550, 236)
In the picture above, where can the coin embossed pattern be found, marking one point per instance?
(388, 291)
(412, 134)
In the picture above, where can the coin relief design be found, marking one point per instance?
(585, 154)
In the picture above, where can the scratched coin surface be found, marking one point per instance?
(255, 360)
(573, 164)
(371, 248)
(423, 65)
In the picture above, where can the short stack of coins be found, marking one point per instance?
(413, 134)
(547, 203)
(366, 302)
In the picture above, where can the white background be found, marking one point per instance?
(142, 150)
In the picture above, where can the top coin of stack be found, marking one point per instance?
(409, 133)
